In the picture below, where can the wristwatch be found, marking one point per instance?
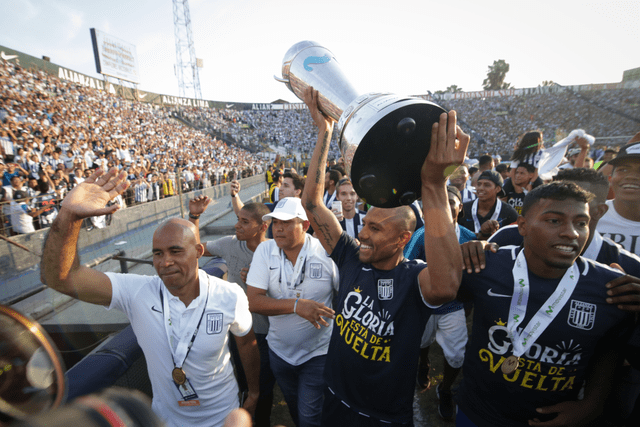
(192, 216)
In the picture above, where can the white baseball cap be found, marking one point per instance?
(286, 209)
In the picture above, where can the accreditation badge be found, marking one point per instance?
(189, 395)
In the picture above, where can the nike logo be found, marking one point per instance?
(153, 308)
(366, 269)
(7, 57)
(492, 294)
(315, 60)
(229, 105)
(273, 268)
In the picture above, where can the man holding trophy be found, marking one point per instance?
(384, 300)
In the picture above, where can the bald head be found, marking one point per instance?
(188, 228)
(176, 250)
(402, 216)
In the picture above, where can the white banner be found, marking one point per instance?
(114, 57)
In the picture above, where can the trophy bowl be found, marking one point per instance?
(383, 138)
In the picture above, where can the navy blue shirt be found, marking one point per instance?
(507, 216)
(553, 369)
(375, 342)
(609, 253)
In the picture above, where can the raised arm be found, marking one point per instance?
(440, 281)
(323, 221)
(234, 189)
(198, 206)
(60, 267)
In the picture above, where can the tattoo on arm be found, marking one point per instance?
(323, 229)
(323, 154)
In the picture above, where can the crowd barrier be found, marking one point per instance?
(131, 230)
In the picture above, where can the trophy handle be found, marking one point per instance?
(280, 79)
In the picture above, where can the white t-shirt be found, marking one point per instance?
(238, 256)
(293, 338)
(21, 222)
(623, 231)
(207, 365)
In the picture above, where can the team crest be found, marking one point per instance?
(582, 315)
(315, 270)
(214, 323)
(385, 289)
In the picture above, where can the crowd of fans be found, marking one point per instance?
(54, 132)
(496, 124)
(289, 130)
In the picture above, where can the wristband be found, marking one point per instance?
(233, 195)
(192, 216)
(295, 306)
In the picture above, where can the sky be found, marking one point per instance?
(406, 47)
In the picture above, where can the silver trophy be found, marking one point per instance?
(384, 138)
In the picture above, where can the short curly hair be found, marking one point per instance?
(556, 190)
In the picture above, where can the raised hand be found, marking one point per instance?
(311, 99)
(448, 149)
(234, 188)
(91, 196)
(198, 205)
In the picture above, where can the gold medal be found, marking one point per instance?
(178, 375)
(510, 364)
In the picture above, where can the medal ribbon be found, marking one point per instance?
(542, 319)
(184, 345)
(474, 214)
(297, 269)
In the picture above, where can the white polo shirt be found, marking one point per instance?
(293, 338)
(207, 365)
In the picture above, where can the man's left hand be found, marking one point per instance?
(311, 98)
(448, 149)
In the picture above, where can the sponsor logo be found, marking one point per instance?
(214, 323)
(153, 308)
(315, 60)
(7, 57)
(493, 294)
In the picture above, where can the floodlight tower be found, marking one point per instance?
(186, 62)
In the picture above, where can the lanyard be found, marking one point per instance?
(184, 347)
(474, 214)
(298, 269)
(523, 340)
